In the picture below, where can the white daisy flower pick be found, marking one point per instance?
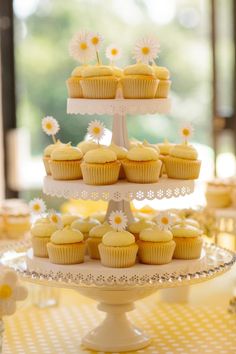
(146, 50)
(95, 41)
(164, 220)
(55, 218)
(51, 127)
(96, 130)
(118, 220)
(37, 206)
(80, 47)
(186, 132)
(113, 53)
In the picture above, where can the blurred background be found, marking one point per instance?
(197, 45)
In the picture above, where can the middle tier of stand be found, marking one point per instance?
(122, 190)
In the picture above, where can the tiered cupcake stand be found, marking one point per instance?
(116, 290)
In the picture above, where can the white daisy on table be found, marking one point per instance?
(186, 132)
(146, 49)
(96, 130)
(10, 292)
(37, 206)
(164, 220)
(118, 220)
(80, 47)
(113, 53)
(50, 126)
(55, 218)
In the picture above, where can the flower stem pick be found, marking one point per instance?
(51, 127)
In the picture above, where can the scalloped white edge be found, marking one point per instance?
(122, 190)
(118, 106)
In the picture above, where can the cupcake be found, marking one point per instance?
(156, 246)
(137, 226)
(183, 163)
(192, 222)
(95, 238)
(142, 165)
(84, 225)
(100, 167)
(218, 196)
(139, 81)
(41, 233)
(47, 155)
(153, 146)
(188, 241)
(73, 83)
(65, 163)
(163, 75)
(99, 81)
(66, 246)
(164, 148)
(68, 219)
(118, 249)
(87, 145)
(121, 154)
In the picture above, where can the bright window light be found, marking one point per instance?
(225, 165)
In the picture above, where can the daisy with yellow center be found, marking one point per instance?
(95, 40)
(56, 219)
(164, 220)
(146, 50)
(118, 220)
(51, 127)
(37, 206)
(113, 53)
(186, 132)
(96, 130)
(80, 47)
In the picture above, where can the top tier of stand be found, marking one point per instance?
(118, 106)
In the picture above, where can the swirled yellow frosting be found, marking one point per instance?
(49, 149)
(117, 71)
(42, 220)
(78, 70)
(118, 239)
(153, 146)
(155, 235)
(161, 72)
(97, 70)
(192, 222)
(165, 147)
(100, 230)
(142, 153)
(84, 225)
(120, 151)
(101, 155)
(138, 226)
(43, 229)
(184, 151)
(67, 152)
(88, 145)
(67, 219)
(138, 69)
(66, 236)
(182, 230)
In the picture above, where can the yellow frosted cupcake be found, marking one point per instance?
(164, 148)
(100, 167)
(95, 238)
(99, 81)
(183, 163)
(163, 75)
(218, 196)
(192, 222)
(152, 146)
(47, 155)
(118, 249)
(139, 81)
(87, 145)
(84, 225)
(100, 216)
(68, 219)
(66, 247)
(65, 163)
(156, 246)
(73, 83)
(137, 226)
(188, 241)
(121, 154)
(41, 233)
(142, 165)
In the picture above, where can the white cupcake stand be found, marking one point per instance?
(116, 290)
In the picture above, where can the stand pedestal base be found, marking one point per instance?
(116, 333)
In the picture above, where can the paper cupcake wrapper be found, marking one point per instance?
(92, 244)
(39, 245)
(218, 200)
(101, 87)
(46, 165)
(163, 89)
(139, 87)
(66, 254)
(182, 169)
(74, 88)
(118, 257)
(65, 170)
(142, 172)
(188, 248)
(100, 174)
(155, 252)
(163, 168)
